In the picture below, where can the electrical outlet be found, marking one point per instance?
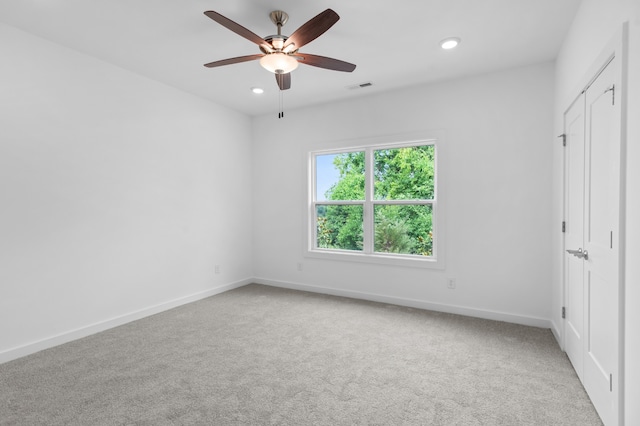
(451, 283)
(299, 266)
(216, 269)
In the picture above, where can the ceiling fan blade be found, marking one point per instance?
(233, 60)
(238, 29)
(284, 81)
(324, 62)
(314, 28)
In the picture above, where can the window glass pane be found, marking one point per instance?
(404, 173)
(339, 227)
(340, 176)
(405, 229)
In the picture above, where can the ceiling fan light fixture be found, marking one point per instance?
(278, 63)
(449, 43)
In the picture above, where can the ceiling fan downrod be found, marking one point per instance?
(279, 18)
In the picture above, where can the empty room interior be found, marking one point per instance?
(387, 232)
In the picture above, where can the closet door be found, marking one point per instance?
(574, 231)
(601, 234)
(592, 213)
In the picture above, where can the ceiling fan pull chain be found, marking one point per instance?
(281, 105)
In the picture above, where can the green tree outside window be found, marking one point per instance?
(403, 192)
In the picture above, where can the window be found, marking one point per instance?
(376, 203)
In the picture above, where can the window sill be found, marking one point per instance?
(377, 258)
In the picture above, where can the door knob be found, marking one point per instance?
(579, 253)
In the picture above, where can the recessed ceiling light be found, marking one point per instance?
(257, 90)
(449, 43)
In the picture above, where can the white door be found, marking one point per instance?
(592, 231)
(574, 229)
(601, 223)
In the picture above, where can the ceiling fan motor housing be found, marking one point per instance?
(276, 40)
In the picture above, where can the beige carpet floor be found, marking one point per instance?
(259, 355)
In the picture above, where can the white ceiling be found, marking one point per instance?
(393, 44)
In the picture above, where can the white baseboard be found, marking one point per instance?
(71, 335)
(413, 303)
(88, 330)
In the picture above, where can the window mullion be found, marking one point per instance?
(404, 202)
(368, 203)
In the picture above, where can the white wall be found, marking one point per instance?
(118, 195)
(497, 128)
(596, 22)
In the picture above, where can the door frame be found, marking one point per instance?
(616, 48)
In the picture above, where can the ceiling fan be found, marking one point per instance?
(280, 53)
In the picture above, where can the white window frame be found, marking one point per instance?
(368, 255)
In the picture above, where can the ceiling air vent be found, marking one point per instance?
(360, 86)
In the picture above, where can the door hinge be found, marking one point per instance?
(564, 139)
(564, 312)
(564, 226)
(612, 89)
